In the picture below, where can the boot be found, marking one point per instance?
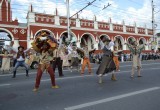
(27, 73)
(100, 80)
(14, 74)
(113, 78)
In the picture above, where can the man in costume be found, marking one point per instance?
(136, 50)
(57, 61)
(45, 45)
(107, 65)
(20, 60)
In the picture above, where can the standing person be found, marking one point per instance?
(64, 56)
(86, 60)
(45, 47)
(74, 58)
(5, 61)
(115, 57)
(44, 64)
(136, 52)
(20, 60)
(57, 62)
(107, 65)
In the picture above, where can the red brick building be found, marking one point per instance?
(85, 31)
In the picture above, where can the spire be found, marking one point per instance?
(77, 15)
(95, 18)
(30, 8)
(123, 22)
(135, 24)
(110, 20)
(145, 26)
(56, 12)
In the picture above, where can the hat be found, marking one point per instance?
(20, 47)
(106, 39)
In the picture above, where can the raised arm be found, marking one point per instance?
(129, 46)
(110, 44)
(27, 50)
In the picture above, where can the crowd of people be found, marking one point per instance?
(97, 58)
(52, 54)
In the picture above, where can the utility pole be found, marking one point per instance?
(153, 26)
(68, 20)
(153, 44)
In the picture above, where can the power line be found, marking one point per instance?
(90, 3)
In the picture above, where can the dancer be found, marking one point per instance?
(46, 47)
(74, 57)
(57, 61)
(107, 65)
(20, 60)
(64, 56)
(86, 60)
(5, 61)
(136, 50)
(115, 57)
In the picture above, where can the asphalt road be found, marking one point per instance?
(78, 92)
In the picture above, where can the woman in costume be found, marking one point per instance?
(64, 56)
(136, 50)
(74, 57)
(5, 61)
(107, 65)
(45, 45)
(86, 59)
(115, 57)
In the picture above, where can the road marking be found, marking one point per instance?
(111, 98)
(4, 85)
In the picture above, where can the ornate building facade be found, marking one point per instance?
(85, 31)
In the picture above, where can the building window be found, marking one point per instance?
(47, 19)
(42, 19)
(89, 24)
(36, 18)
(52, 19)
(81, 23)
(61, 21)
(66, 21)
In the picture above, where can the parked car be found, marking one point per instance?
(33, 62)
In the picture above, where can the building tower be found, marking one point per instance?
(5, 11)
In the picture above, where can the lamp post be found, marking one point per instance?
(68, 20)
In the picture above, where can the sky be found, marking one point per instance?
(130, 11)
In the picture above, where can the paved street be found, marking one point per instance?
(83, 92)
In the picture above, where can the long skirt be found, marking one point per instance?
(65, 61)
(5, 64)
(136, 61)
(74, 61)
(107, 65)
